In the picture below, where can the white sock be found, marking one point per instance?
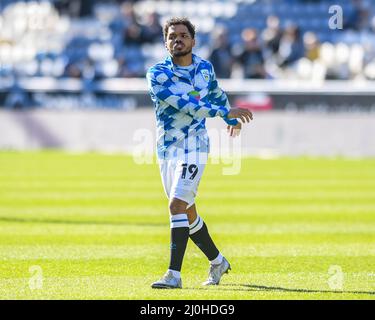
(176, 274)
(179, 220)
(217, 260)
(196, 225)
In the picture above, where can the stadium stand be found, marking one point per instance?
(244, 39)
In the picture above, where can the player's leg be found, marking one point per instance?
(192, 213)
(179, 234)
(179, 237)
(179, 227)
(198, 232)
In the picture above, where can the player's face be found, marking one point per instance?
(179, 42)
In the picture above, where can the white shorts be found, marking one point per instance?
(181, 177)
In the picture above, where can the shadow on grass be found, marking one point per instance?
(253, 287)
(81, 222)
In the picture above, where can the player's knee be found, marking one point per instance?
(177, 206)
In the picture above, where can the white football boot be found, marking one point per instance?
(216, 272)
(168, 281)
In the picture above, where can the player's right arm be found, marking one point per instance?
(160, 85)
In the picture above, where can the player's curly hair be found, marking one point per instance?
(176, 20)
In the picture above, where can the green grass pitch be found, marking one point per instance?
(96, 226)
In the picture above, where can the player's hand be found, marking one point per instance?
(238, 113)
(234, 131)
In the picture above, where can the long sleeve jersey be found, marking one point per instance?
(183, 98)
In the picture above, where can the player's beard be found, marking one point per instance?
(181, 53)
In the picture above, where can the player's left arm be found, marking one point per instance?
(218, 96)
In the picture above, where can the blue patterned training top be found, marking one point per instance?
(183, 98)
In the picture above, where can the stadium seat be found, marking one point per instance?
(99, 37)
